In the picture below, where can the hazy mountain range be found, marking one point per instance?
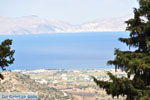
(37, 25)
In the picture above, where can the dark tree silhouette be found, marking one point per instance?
(136, 63)
(6, 55)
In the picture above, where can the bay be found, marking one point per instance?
(85, 50)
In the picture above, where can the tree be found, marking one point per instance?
(6, 55)
(136, 63)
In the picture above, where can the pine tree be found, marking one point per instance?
(135, 63)
(6, 55)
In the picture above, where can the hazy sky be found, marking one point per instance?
(71, 11)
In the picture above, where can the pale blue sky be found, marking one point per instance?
(71, 11)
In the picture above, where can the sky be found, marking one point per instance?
(71, 11)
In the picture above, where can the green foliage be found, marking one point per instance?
(6, 55)
(136, 63)
(118, 86)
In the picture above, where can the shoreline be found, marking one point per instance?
(62, 69)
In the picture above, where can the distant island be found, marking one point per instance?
(37, 25)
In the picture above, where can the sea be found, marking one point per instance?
(84, 50)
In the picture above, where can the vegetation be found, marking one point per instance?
(136, 63)
(6, 55)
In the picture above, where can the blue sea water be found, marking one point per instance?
(86, 50)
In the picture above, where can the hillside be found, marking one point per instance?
(78, 83)
(20, 83)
